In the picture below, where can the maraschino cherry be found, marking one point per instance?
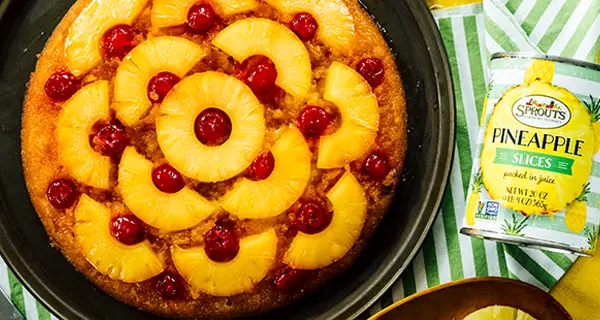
(127, 229)
(62, 85)
(110, 139)
(160, 85)
(201, 18)
(61, 194)
(288, 279)
(222, 243)
(212, 127)
(372, 70)
(118, 41)
(262, 167)
(259, 73)
(167, 179)
(169, 286)
(376, 166)
(313, 121)
(304, 25)
(311, 217)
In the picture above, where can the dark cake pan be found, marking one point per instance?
(409, 28)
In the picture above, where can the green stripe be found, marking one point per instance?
(513, 5)
(43, 314)
(593, 55)
(502, 260)
(387, 299)
(477, 75)
(498, 34)
(431, 265)
(595, 169)
(557, 24)
(454, 255)
(582, 29)
(532, 266)
(534, 15)
(560, 259)
(592, 200)
(513, 276)
(408, 281)
(462, 134)
(479, 257)
(16, 292)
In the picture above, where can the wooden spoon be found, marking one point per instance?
(456, 300)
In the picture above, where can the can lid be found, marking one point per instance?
(531, 55)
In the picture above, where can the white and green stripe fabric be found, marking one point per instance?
(471, 34)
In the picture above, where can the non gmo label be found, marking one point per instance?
(534, 160)
(541, 112)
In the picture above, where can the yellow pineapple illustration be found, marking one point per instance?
(541, 70)
(472, 205)
(576, 214)
(593, 107)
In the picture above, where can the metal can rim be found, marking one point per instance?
(531, 55)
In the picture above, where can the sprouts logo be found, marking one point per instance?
(541, 112)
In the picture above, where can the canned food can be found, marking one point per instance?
(536, 172)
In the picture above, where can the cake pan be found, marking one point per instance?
(409, 28)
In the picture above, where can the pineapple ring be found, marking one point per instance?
(256, 36)
(170, 13)
(315, 251)
(239, 275)
(75, 121)
(272, 196)
(130, 264)
(144, 62)
(177, 138)
(352, 94)
(336, 27)
(82, 46)
(168, 212)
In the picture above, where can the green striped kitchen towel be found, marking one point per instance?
(471, 33)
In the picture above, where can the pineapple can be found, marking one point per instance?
(536, 171)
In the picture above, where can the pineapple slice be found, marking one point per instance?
(177, 138)
(172, 54)
(239, 275)
(170, 13)
(336, 28)
(130, 264)
(314, 251)
(272, 196)
(359, 110)
(75, 122)
(82, 46)
(168, 212)
(257, 36)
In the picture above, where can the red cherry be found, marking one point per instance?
(167, 179)
(376, 166)
(213, 127)
(201, 18)
(262, 167)
(372, 70)
(127, 229)
(221, 243)
(160, 85)
(61, 194)
(313, 121)
(62, 85)
(169, 286)
(260, 74)
(110, 139)
(118, 41)
(304, 25)
(311, 218)
(289, 279)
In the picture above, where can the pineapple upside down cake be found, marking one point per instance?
(213, 158)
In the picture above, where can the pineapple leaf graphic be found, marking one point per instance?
(592, 236)
(515, 227)
(593, 107)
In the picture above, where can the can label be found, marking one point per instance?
(536, 174)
